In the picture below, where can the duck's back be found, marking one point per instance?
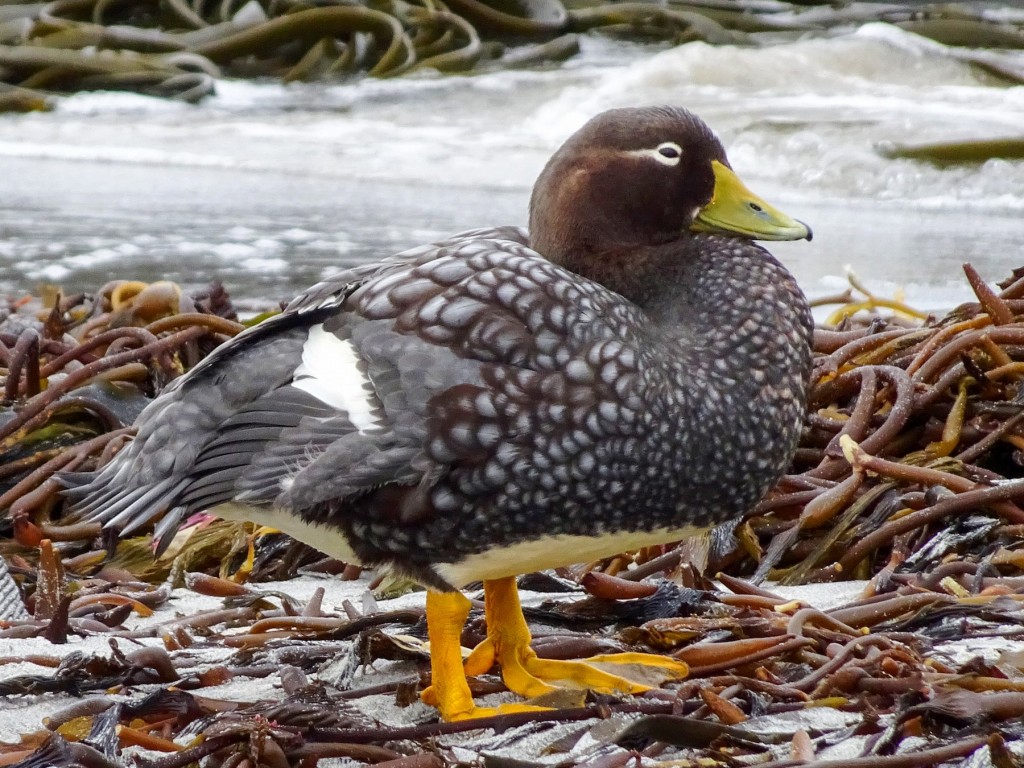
(456, 400)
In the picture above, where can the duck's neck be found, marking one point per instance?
(701, 289)
(722, 307)
(729, 307)
(733, 333)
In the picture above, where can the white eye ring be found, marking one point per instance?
(668, 153)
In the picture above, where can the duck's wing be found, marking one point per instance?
(280, 385)
(384, 376)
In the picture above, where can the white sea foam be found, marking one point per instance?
(108, 102)
(808, 115)
(233, 251)
(258, 265)
(50, 272)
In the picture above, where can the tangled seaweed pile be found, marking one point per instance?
(75, 376)
(907, 476)
(178, 47)
(773, 682)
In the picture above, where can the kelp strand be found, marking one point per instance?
(178, 48)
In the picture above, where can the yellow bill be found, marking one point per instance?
(735, 210)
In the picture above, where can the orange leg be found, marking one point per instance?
(508, 644)
(446, 614)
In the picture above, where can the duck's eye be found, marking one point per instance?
(668, 153)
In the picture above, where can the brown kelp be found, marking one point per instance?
(75, 376)
(912, 453)
(177, 48)
(908, 476)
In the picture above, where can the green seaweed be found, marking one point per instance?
(965, 152)
(69, 45)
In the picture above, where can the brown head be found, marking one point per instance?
(633, 180)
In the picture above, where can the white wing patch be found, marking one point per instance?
(330, 372)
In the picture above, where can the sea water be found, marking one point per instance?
(269, 187)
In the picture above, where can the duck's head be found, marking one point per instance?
(635, 179)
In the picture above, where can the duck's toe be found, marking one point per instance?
(508, 645)
(610, 673)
